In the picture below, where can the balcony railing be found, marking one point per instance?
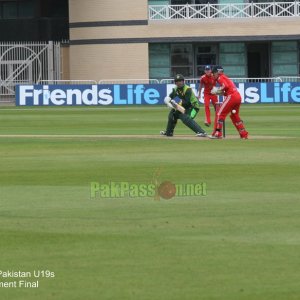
(228, 10)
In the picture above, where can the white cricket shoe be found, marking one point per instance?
(201, 134)
(165, 133)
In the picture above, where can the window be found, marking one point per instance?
(159, 61)
(167, 60)
(284, 58)
(205, 55)
(206, 1)
(232, 57)
(17, 9)
(10, 10)
(182, 60)
(183, 2)
(26, 9)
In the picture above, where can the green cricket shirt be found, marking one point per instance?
(186, 95)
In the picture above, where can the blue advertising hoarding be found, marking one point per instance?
(142, 94)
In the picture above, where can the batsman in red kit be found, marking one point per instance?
(231, 104)
(208, 82)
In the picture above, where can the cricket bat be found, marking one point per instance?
(177, 106)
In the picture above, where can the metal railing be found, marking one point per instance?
(227, 10)
(269, 79)
(196, 80)
(290, 78)
(187, 80)
(128, 81)
(26, 63)
(68, 82)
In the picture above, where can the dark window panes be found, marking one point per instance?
(206, 1)
(181, 50)
(185, 71)
(205, 49)
(159, 73)
(26, 9)
(159, 48)
(206, 59)
(10, 10)
(200, 70)
(54, 8)
(262, 1)
(181, 59)
(181, 2)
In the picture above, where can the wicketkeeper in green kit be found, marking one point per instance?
(186, 110)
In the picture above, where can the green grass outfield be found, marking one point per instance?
(240, 241)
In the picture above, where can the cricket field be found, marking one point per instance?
(66, 226)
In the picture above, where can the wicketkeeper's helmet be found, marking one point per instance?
(217, 69)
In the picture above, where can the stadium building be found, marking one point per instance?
(112, 39)
(140, 39)
(34, 20)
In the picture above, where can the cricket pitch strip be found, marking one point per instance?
(133, 136)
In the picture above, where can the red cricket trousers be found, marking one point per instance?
(230, 103)
(207, 99)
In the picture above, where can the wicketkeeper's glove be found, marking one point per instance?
(216, 91)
